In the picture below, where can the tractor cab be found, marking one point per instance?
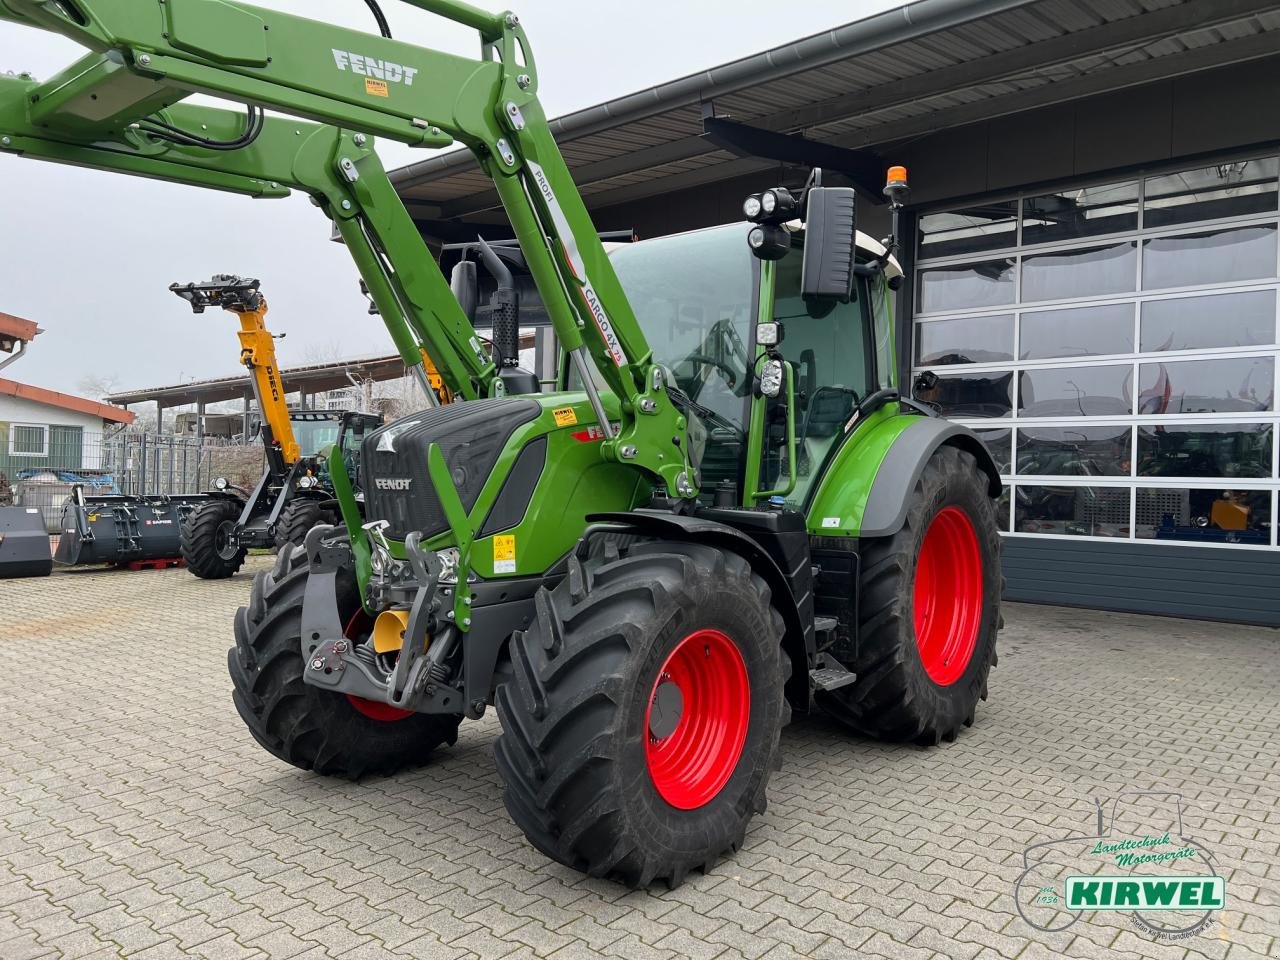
(315, 429)
(716, 316)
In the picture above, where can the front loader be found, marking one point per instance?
(294, 492)
(726, 513)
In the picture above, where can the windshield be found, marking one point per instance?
(692, 294)
(314, 435)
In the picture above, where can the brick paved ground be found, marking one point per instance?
(138, 819)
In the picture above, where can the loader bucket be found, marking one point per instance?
(121, 530)
(24, 543)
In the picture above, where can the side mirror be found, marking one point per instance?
(830, 241)
(465, 284)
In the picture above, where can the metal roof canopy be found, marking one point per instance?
(312, 378)
(903, 73)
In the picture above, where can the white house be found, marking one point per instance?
(44, 429)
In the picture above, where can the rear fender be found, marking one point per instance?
(865, 491)
(887, 502)
(798, 640)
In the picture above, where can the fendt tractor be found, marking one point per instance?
(727, 512)
(294, 492)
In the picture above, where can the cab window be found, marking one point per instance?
(829, 349)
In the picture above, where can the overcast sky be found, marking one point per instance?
(89, 255)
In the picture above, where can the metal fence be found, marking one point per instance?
(141, 464)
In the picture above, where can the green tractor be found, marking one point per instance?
(727, 512)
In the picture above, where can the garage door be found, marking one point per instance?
(1116, 346)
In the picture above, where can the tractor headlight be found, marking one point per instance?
(771, 378)
(751, 207)
(221, 483)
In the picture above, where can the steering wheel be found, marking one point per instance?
(730, 375)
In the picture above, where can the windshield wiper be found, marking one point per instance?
(682, 399)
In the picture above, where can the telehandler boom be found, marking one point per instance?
(294, 492)
(726, 512)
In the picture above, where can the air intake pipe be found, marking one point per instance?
(504, 309)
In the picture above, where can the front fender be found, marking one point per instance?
(864, 492)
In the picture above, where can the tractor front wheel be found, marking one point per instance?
(315, 729)
(642, 722)
(297, 517)
(928, 611)
(207, 542)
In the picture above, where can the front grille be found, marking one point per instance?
(471, 435)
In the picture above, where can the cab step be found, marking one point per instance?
(830, 674)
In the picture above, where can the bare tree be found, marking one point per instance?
(97, 386)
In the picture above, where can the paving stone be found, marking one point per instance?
(123, 833)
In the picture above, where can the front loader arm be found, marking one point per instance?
(288, 154)
(150, 54)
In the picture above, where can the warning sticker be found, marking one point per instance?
(504, 553)
(831, 521)
(565, 416)
(377, 88)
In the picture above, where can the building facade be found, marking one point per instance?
(1092, 246)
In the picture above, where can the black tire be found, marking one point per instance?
(895, 697)
(572, 753)
(202, 540)
(314, 729)
(298, 516)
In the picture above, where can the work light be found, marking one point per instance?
(751, 207)
(778, 204)
(768, 334)
(768, 241)
(221, 483)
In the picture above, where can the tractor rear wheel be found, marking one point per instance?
(298, 516)
(642, 722)
(205, 540)
(315, 729)
(928, 611)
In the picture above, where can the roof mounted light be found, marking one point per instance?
(769, 241)
(778, 204)
(769, 210)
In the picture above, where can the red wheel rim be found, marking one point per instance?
(359, 624)
(697, 717)
(948, 595)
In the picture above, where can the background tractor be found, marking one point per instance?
(727, 512)
(294, 492)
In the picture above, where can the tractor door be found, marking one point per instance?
(829, 347)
